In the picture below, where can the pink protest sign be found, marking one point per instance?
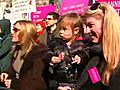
(42, 12)
(78, 6)
(114, 3)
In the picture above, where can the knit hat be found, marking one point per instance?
(42, 23)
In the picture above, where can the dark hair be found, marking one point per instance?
(54, 14)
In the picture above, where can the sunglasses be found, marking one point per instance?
(15, 29)
(97, 5)
(49, 19)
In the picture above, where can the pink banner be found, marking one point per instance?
(78, 6)
(114, 3)
(42, 12)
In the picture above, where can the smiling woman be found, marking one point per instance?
(103, 22)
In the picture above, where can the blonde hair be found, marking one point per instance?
(110, 39)
(27, 35)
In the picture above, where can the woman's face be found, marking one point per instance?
(95, 27)
(15, 33)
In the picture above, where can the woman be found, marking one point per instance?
(26, 72)
(104, 24)
(41, 32)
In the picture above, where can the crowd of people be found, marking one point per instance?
(70, 52)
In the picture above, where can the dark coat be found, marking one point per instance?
(43, 38)
(115, 80)
(5, 45)
(53, 35)
(65, 72)
(96, 60)
(31, 73)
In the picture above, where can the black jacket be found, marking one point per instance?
(31, 75)
(65, 72)
(115, 80)
(96, 60)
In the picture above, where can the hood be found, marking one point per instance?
(5, 26)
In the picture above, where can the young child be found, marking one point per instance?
(70, 56)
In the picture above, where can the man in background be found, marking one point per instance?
(51, 23)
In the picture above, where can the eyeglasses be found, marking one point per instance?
(49, 18)
(15, 29)
(97, 5)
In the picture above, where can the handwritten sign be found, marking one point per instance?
(23, 6)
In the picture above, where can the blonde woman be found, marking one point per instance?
(26, 72)
(104, 24)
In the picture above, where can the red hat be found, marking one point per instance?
(42, 23)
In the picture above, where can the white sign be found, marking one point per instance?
(2, 7)
(24, 6)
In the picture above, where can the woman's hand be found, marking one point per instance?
(8, 83)
(76, 59)
(3, 77)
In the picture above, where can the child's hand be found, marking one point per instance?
(76, 59)
(55, 59)
(61, 55)
(64, 88)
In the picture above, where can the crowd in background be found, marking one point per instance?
(70, 52)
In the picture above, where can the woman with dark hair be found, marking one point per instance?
(41, 32)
